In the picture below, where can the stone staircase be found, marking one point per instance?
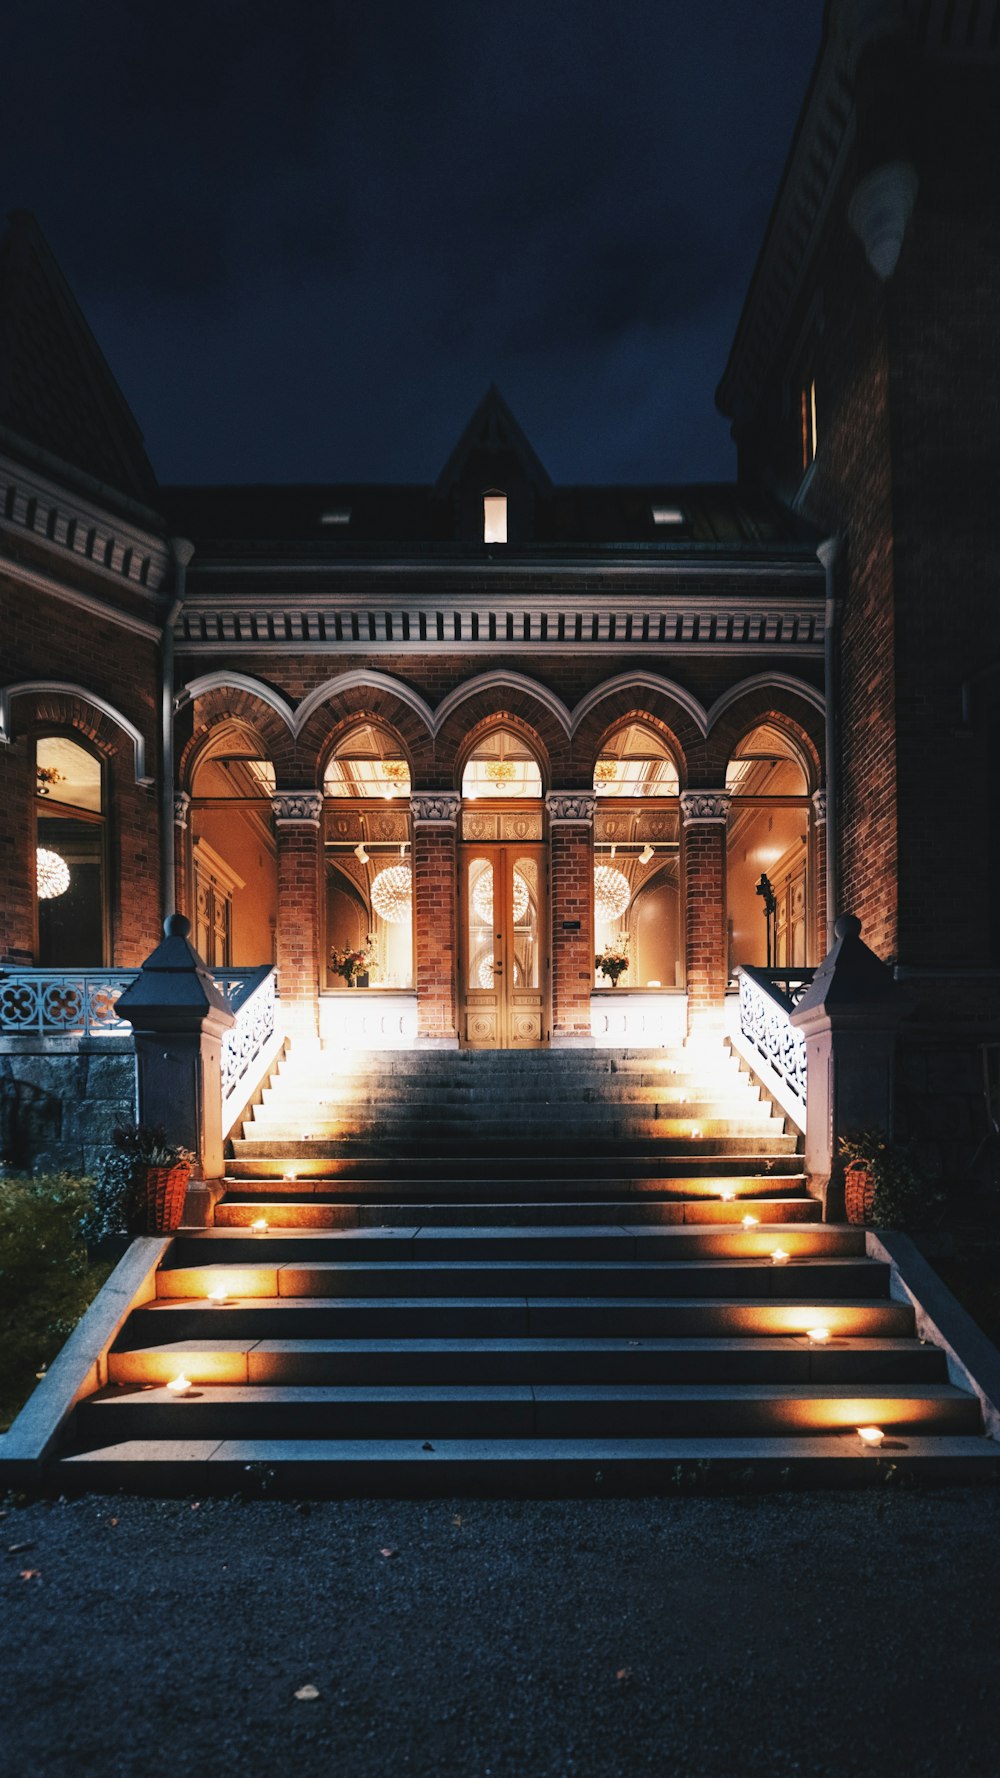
(517, 1273)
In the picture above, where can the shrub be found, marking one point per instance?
(905, 1198)
(118, 1199)
(46, 1279)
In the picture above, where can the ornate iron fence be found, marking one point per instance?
(251, 995)
(63, 1002)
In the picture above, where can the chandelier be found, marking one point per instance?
(392, 894)
(500, 771)
(51, 874)
(606, 771)
(395, 774)
(482, 896)
(611, 893)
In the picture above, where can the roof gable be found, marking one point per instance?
(493, 433)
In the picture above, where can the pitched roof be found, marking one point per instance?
(56, 389)
(493, 432)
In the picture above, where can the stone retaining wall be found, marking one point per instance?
(60, 1098)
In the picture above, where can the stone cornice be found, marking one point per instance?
(81, 531)
(566, 806)
(437, 807)
(297, 808)
(27, 575)
(705, 808)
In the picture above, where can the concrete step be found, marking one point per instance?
(503, 1140)
(519, 1468)
(516, 1317)
(525, 1125)
(542, 1410)
(295, 1094)
(810, 1279)
(693, 1172)
(292, 1210)
(491, 1245)
(792, 1359)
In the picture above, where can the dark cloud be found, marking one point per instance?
(308, 236)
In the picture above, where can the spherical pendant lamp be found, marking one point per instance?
(611, 893)
(392, 894)
(482, 896)
(51, 874)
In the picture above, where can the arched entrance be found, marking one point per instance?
(503, 914)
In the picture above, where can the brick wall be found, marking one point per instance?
(435, 887)
(298, 929)
(706, 958)
(572, 888)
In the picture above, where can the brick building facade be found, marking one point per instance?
(446, 729)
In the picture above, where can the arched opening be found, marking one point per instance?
(504, 893)
(638, 929)
(501, 766)
(767, 863)
(368, 890)
(233, 855)
(71, 864)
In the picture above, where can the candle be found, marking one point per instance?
(696, 1132)
(819, 1335)
(749, 1222)
(778, 1256)
(727, 1194)
(260, 1226)
(871, 1435)
(179, 1385)
(218, 1294)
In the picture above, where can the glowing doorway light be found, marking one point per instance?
(611, 893)
(51, 874)
(392, 894)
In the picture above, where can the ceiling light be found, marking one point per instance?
(611, 893)
(51, 874)
(392, 894)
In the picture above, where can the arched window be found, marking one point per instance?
(637, 913)
(71, 855)
(369, 876)
(767, 878)
(501, 765)
(233, 852)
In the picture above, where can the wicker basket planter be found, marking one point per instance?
(165, 1189)
(859, 1194)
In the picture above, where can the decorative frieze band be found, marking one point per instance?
(297, 808)
(440, 806)
(819, 807)
(570, 805)
(705, 807)
(182, 803)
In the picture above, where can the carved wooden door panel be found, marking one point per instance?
(503, 923)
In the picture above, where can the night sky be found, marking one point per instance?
(308, 235)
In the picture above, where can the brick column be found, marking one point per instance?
(817, 874)
(704, 814)
(435, 888)
(571, 854)
(182, 840)
(297, 817)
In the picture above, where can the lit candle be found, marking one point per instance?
(727, 1194)
(749, 1222)
(218, 1294)
(778, 1256)
(179, 1385)
(819, 1335)
(871, 1435)
(696, 1132)
(291, 1172)
(260, 1226)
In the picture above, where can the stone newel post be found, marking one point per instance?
(179, 1020)
(849, 1017)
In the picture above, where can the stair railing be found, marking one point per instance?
(248, 1047)
(62, 1002)
(769, 1042)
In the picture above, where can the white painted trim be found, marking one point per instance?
(499, 680)
(642, 682)
(45, 583)
(359, 678)
(766, 682)
(227, 681)
(29, 686)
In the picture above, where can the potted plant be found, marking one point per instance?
(352, 965)
(883, 1185)
(142, 1185)
(613, 960)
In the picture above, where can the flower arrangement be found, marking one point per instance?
(352, 963)
(613, 960)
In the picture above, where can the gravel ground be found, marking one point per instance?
(806, 1634)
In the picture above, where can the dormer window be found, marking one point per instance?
(494, 518)
(667, 515)
(337, 515)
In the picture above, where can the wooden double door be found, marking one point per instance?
(503, 920)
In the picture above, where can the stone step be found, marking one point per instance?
(811, 1278)
(274, 1126)
(518, 1468)
(292, 1210)
(296, 1099)
(516, 1317)
(542, 1410)
(690, 1173)
(490, 1245)
(792, 1359)
(503, 1140)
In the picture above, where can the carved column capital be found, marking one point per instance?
(438, 806)
(297, 808)
(705, 808)
(819, 807)
(570, 805)
(182, 803)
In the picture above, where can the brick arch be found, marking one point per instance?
(799, 719)
(677, 725)
(377, 704)
(237, 707)
(503, 719)
(590, 741)
(519, 706)
(69, 707)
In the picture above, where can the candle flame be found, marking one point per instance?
(778, 1256)
(179, 1385)
(218, 1294)
(260, 1226)
(750, 1222)
(819, 1335)
(871, 1435)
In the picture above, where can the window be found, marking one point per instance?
(494, 518)
(807, 400)
(637, 862)
(667, 515)
(233, 853)
(369, 875)
(767, 852)
(338, 515)
(502, 764)
(71, 863)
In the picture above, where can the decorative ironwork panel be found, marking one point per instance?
(63, 1003)
(251, 996)
(766, 999)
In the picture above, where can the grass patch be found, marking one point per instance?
(47, 1278)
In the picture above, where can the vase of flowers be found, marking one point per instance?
(351, 964)
(613, 960)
